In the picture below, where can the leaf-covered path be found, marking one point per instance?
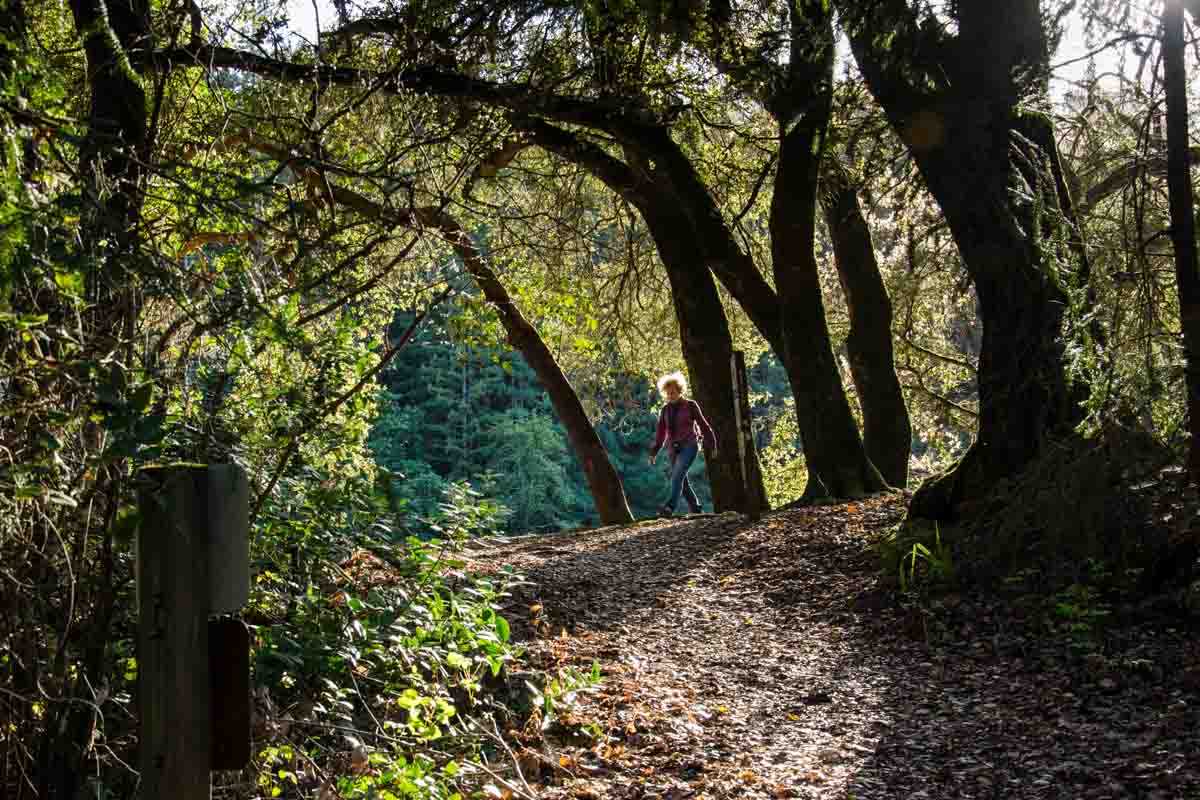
(761, 661)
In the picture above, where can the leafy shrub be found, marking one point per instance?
(370, 662)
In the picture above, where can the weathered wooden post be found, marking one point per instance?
(755, 502)
(192, 562)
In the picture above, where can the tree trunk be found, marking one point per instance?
(707, 349)
(833, 450)
(602, 476)
(603, 479)
(958, 100)
(1183, 228)
(837, 462)
(887, 432)
(112, 161)
(1023, 392)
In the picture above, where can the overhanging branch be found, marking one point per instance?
(618, 118)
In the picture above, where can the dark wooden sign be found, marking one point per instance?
(751, 479)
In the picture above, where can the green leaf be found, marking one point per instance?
(502, 628)
(71, 283)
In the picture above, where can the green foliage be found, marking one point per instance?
(385, 643)
(560, 692)
(917, 556)
(1079, 612)
(782, 461)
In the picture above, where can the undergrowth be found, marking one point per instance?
(380, 665)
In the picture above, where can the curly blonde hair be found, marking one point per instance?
(676, 378)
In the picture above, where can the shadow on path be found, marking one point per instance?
(761, 661)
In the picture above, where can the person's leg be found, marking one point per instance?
(679, 467)
(690, 495)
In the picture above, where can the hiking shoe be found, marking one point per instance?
(696, 510)
(666, 511)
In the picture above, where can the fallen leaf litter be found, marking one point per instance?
(764, 661)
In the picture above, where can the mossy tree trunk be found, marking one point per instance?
(112, 163)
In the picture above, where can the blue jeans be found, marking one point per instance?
(680, 461)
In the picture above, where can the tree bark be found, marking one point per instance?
(887, 431)
(957, 101)
(1183, 227)
(112, 163)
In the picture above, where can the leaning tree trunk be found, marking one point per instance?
(603, 480)
(887, 431)
(602, 477)
(1183, 228)
(707, 349)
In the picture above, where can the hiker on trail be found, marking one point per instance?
(678, 424)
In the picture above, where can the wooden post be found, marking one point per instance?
(228, 538)
(173, 682)
(755, 502)
(192, 562)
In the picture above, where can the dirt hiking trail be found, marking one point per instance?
(763, 661)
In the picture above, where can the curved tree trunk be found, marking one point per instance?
(837, 461)
(602, 476)
(603, 479)
(964, 121)
(887, 431)
(1023, 393)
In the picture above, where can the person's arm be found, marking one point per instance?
(706, 430)
(659, 436)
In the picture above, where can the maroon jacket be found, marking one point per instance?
(683, 428)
